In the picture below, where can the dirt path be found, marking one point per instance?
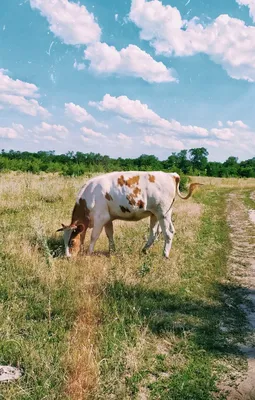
(242, 266)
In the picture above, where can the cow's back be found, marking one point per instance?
(129, 195)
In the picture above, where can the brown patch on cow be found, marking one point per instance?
(80, 212)
(108, 197)
(136, 191)
(75, 238)
(124, 209)
(131, 199)
(140, 204)
(152, 178)
(177, 179)
(121, 181)
(130, 182)
(134, 180)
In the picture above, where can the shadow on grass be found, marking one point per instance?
(216, 326)
(56, 246)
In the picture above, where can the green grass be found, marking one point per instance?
(248, 200)
(119, 326)
(188, 315)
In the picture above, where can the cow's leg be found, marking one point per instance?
(97, 229)
(109, 233)
(168, 232)
(154, 233)
(82, 238)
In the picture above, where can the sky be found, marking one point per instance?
(131, 77)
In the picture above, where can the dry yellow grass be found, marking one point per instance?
(225, 182)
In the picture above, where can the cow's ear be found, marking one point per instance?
(80, 228)
(62, 229)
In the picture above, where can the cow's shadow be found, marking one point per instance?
(216, 326)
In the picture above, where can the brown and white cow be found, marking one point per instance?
(129, 196)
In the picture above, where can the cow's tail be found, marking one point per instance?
(192, 187)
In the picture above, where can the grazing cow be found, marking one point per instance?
(128, 196)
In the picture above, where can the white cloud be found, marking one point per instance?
(239, 124)
(13, 132)
(163, 141)
(79, 66)
(223, 133)
(13, 93)
(141, 114)
(8, 133)
(130, 61)
(26, 106)
(125, 139)
(69, 21)
(79, 114)
(16, 87)
(237, 136)
(58, 130)
(92, 133)
(250, 4)
(234, 129)
(228, 41)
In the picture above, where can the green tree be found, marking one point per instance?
(198, 158)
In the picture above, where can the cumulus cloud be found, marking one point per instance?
(227, 41)
(16, 87)
(223, 133)
(69, 21)
(26, 106)
(141, 114)
(130, 61)
(55, 131)
(92, 133)
(234, 129)
(14, 132)
(236, 135)
(79, 114)
(238, 124)
(250, 4)
(13, 94)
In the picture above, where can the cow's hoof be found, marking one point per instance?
(144, 250)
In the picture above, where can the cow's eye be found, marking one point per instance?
(74, 231)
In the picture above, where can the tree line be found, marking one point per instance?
(189, 162)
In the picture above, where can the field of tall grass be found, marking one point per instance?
(125, 326)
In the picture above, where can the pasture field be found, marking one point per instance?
(125, 326)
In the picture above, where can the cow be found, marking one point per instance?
(127, 196)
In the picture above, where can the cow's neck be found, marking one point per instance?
(80, 213)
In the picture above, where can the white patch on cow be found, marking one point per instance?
(67, 235)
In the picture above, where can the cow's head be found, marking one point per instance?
(72, 238)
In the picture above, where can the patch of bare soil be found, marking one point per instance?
(242, 267)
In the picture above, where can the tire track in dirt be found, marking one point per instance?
(241, 265)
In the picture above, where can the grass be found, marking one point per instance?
(179, 314)
(126, 326)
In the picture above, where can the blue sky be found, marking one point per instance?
(130, 77)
